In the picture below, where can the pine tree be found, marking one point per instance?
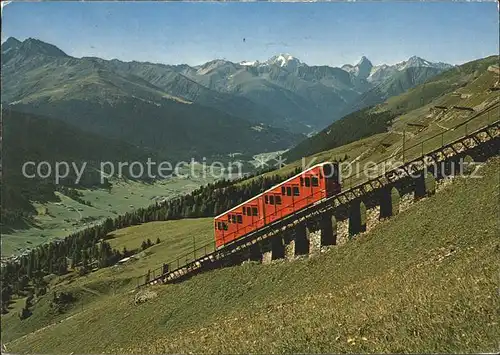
(104, 254)
(76, 258)
(30, 264)
(108, 225)
(85, 261)
(62, 266)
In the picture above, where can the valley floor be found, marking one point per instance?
(424, 281)
(59, 219)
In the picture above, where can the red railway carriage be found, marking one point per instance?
(299, 191)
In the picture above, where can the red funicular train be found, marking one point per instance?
(301, 190)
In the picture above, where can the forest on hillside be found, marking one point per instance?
(353, 127)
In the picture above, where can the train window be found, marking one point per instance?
(289, 191)
(224, 225)
(308, 182)
(233, 218)
(278, 200)
(244, 211)
(271, 200)
(254, 211)
(249, 211)
(283, 190)
(301, 181)
(240, 218)
(296, 191)
(229, 218)
(266, 199)
(219, 226)
(315, 181)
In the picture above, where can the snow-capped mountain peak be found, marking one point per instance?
(252, 63)
(415, 61)
(217, 65)
(361, 70)
(380, 72)
(284, 60)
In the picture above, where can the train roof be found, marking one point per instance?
(273, 187)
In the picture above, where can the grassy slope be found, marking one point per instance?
(173, 243)
(424, 281)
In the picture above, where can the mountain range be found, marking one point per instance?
(107, 98)
(308, 97)
(213, 109)
(475, 78)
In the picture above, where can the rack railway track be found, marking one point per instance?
(190, 263)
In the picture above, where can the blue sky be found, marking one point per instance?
(317, 33)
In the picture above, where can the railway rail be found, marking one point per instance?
(359, 184)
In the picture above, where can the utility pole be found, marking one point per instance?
(404, 136)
